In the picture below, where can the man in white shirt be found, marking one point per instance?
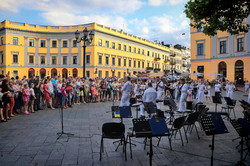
(149, 95)
(217, 89)
(201, 88)
(159, 90)
(183, 97)
(126, 91)
(230, 87)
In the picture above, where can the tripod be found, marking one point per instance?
(62, 131)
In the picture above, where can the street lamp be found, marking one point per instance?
(87, 38)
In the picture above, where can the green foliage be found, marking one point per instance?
(213, 15)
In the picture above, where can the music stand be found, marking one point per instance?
(213, 125)
(172, 106)
(216, 101)
(62, 126)
(154, 127)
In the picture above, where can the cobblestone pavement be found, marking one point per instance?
(32, 140)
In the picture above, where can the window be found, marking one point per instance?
(107, 74)
(107, 60)
(148, 53)
(100, 42)
(153, 54)
(1, 57)
(223, 47)
(119, 74)
(42, 43)
(139, 64)
(125, 48)
(15, 58)
(74, 43)
(87, 59)
(119, 61)
(124, 62)
(15, 40)
(107, 44)
(31, 42)
(134, 50)
(42, 60)
(54, 44)
(15, 73)
(1, 41)
(129, 63)
(65, 43)
(134, 63)
(130, 49)
(88, 73)
(74, 60)
(113, 61)
(31, 59)
(119, 47)
(113, 45)
(142, 52)
(65, 60)
(139, 50)
(54, 60)
(100, 60)
(240, 44)
(200, 49)
(143, 65)
(100, 74)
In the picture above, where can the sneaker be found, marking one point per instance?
(52, 108)
(26, 113)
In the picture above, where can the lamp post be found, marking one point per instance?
(87, 38)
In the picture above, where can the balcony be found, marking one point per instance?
(157, 69)
(157, 59)
(149, 68)
(184, 65)
(166, 71)
(184, 58)
(166, 61)
(172, 55)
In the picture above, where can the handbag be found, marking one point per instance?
(205, 92)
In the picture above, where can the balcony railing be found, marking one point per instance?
(166, 61)
(157, 69)
(172, 55)
(157, 59)
(149, 68)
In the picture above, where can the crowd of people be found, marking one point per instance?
(28, 95)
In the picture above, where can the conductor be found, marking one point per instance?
(126, 91)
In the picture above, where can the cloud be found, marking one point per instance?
(67, 18)
(12, 6)
(156, 2)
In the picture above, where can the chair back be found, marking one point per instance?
(113, 130)
(229, 101)
(150, 107)
(193, 117)
(179, 122)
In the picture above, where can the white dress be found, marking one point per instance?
(200, 95)
(207, 88)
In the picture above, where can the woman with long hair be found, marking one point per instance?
(26, 98)
(46, 95)
(6, 99)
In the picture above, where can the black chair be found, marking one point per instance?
(190, 122)
(150, 107)
(176, 127)
(229, 107)
(113, 130)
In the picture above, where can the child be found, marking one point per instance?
(32, 98)
(94, 93)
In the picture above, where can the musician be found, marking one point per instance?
(230, 88)
(126, 91)
(201, 88)
(183, 89)
(159, 90)
(149, 95)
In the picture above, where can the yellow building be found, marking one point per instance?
(223, 53)
(27, 49)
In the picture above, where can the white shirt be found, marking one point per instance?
(230, 88)
(217, 87)
(184, 88)
(51, 88)
(149, 95)
(159, 84)
(201, 87)
(127, 88)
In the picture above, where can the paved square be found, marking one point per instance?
(32, 140)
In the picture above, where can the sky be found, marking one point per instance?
(154, 20)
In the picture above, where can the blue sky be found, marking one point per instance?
(161, 20)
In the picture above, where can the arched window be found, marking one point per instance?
(42, 72)
(75, 72)
(239, 71)
(53, 72)
(222, 68)
(64, 73)
(31, 72)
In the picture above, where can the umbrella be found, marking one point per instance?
(215, 74)
(197, 74)
(160, 74)
(185, 74)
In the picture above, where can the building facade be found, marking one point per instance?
(27, 49)
(223, 53)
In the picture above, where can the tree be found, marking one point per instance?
(213, 15)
